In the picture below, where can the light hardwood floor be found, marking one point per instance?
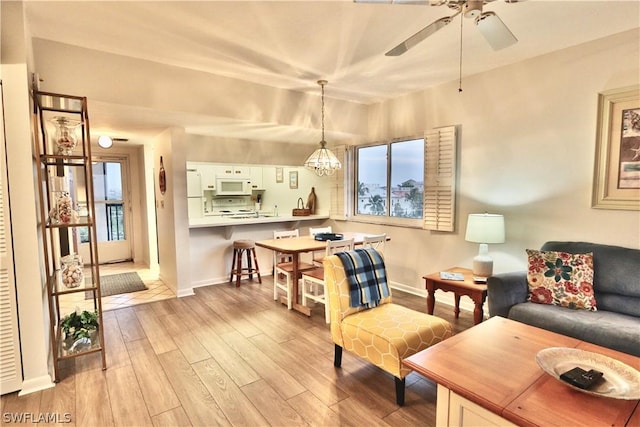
(229, 356)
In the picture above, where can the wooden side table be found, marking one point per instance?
(476, 291)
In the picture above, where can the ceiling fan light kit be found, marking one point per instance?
(494, 31)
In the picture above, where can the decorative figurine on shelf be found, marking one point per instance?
(311, 201)
(65, 137)
(62, 212)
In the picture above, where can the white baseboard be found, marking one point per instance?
(442, 297)
(36, 384)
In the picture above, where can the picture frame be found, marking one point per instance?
(293, 179)
(616, 183)
(279, 175)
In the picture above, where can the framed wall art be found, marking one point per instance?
(616, 183)
(293, 179)
(279, 175)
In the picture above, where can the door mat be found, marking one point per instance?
(116, 284)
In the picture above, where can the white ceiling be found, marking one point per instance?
(291, 44)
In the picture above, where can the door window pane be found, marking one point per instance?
(109, 203)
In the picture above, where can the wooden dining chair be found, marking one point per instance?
(283, 269)
(375, 241)
(317, 257)
(312, 282)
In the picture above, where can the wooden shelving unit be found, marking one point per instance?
(63, 150)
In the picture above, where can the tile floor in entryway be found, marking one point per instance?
(156, 291)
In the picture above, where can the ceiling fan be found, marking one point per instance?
(489, 24)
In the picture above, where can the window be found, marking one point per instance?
(390, 179)
(411, 182)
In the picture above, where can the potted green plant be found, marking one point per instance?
(79, 324)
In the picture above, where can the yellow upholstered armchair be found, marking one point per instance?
(382, 335)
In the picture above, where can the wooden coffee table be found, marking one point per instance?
(488, 375)
(476, 291)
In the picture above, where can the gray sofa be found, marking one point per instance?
(616, 283)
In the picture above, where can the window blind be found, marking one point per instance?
(440, 179)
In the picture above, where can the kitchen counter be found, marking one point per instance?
(226, 221)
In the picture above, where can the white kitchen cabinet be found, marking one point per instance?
(194, 183)
(208, 176)
(229, 171)
(256, 178)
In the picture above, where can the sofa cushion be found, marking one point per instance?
(561, 278)
(616, 270)
(608, 329)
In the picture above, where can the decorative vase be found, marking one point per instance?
(62, 212)
(65, 137)
(71, 271)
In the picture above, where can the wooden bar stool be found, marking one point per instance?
(248, 247)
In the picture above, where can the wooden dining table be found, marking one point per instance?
(295, 246)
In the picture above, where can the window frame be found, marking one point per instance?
(385, 219)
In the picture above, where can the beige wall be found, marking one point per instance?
(30, 282)
(527, 147)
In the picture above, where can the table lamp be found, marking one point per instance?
(484, 229)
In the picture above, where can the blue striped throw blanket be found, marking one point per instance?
(366, 277)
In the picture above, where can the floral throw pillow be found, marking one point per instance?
(561, 278)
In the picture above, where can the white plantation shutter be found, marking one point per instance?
(10, 363)
(339, 190)
(440, 179)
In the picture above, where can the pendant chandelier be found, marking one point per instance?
(323, 161)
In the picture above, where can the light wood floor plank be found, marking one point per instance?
(270, 326)
(240, 371)
(127, 404)
(277, 377)
(154, 385)
(235, 405)
(234, 317)
(324, 389)
(352, 409)
(196, 400)
(21, 410)
(116, 352)
(158, 338)
(204, 315)
(173, 418)
(315, 412)
(275, 409)
(61, 399)
(93, 407)
(162, 308)
(129, 325)
(186, 342)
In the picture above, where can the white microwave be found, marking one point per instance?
(233, 187)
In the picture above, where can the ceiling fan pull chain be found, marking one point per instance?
(460, 80)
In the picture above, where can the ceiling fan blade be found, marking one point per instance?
(494, 31)
(420, 35)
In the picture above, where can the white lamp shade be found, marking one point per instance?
(485, 228)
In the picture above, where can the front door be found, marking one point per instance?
(111, 207)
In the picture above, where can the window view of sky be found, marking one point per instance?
(406, 167)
